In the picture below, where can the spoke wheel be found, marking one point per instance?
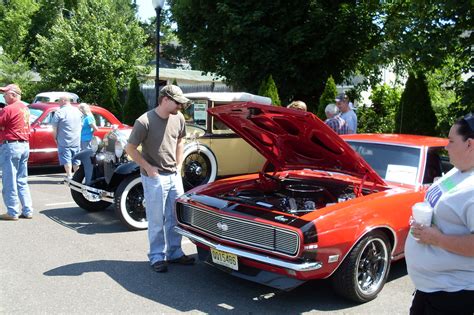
(130, 203)
(199, 167)
(364, 272)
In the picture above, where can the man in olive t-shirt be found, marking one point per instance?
(161, 133)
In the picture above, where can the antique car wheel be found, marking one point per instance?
(81, 200)
(364, 271)
(129, 203)
(199, 166)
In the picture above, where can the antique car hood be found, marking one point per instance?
(292, 139)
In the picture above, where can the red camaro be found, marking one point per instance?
(43, 149)
(322, 207)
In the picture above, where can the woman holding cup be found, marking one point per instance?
(440, 256)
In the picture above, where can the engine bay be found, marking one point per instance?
(294, 196)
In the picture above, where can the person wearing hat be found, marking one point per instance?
(161, 133)
(334, 120)
(15, 126)
(350, 117)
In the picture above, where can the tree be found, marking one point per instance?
(170, 49)
(102, 38)
(136, 104)
(328, 97)
(415, 114)
(268, 88)
(110, 98)
(15, 20)
(380, 116)
(301, 43)
(16, 72)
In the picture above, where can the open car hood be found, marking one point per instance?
(292, 139)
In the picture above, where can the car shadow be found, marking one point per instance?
(83, 222)
(194, 288)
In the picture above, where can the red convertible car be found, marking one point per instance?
(322, 207)
(43, 148)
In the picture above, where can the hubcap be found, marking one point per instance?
(135, 204)
(372, 266)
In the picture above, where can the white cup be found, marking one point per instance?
(422, 213)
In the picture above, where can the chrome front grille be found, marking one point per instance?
(239, 230)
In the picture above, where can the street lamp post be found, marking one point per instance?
(158, 5)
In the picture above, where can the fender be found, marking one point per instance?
(123, 171)
(127, 168)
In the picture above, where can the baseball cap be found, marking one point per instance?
(341, 97)
(11, 87)
(175, 93)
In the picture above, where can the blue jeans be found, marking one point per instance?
(15, 178)
(160, 195)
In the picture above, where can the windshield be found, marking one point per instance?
(196, 113)
(35, 113)
(392, 162)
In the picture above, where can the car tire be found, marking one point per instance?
(364, 271)
(129, 203)
(81, 201)
(199, 166)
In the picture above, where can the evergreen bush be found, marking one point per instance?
(415, 114)
(328, 97)
(110, 98)
(268, 88)
(136, 104)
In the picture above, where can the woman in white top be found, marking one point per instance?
(440, 257)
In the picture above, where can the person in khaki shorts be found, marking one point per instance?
(161, 133)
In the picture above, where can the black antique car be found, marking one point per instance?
(108, 176)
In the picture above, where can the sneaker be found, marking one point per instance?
(160, 266)
(183, 260)
(26, 216)
(7, 217)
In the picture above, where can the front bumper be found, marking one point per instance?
(296, 267)
(90, 193)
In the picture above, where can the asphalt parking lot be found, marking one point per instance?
(67, 260)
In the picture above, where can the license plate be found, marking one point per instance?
(225, 259)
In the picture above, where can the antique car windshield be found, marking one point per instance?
(392, 162)
(196, 113)
(35, 113)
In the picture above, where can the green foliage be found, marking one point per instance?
(136, 104)
(15, 21)
(175, 82)
(379, 117)
(102, 38)
(328, 97)
(49, 11)
(168, 39)
(18, 73)
(415, 115)
(301, 43)
(424, 35)
(268, 88)
(110, 98)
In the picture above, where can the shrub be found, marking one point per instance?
(268, 88)
(328, 97)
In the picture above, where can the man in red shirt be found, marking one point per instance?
(15, 132)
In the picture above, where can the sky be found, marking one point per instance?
(145, 9)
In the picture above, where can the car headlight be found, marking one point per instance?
(119, 148)
(95, 144)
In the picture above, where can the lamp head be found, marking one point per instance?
(158, 4)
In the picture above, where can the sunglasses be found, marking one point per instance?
(469, 119)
